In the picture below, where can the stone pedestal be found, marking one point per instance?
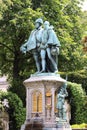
(40, 98)
(63, 125)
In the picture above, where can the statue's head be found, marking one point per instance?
(61, 90)
(46, 25)
(38, 22)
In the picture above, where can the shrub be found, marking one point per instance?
(78, 100)
(16, 110)
(79, 126)
(79, 77)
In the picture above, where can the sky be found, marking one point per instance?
(84, 7)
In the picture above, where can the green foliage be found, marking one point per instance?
(83, 22)
(18, 88)
(16, 110)
(79, 126)
(65, 17)
(78, 103)
(15, 26)
(4, 6)
(79, 77)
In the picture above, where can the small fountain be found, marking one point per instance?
(36, 123)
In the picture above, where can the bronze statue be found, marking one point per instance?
(33, 43)
(61, 102)
(44, 45)
(49, 44)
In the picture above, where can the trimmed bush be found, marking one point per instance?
(78, 102)
(80, 78)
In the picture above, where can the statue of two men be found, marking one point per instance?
(44, 45)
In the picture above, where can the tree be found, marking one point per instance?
(83, 22)
(65, 17)
(16, 23)
(15, 26)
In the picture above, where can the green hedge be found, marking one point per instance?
(79, 126)
(16, 110)
(78, 101)
(79, 77)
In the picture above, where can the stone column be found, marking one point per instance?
(43, 103)
(28, 104)
(53, 104)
